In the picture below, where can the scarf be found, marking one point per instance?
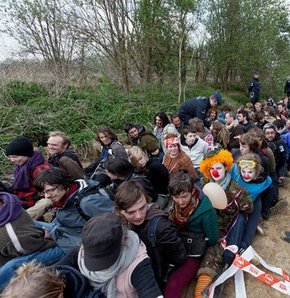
(11, 208)
(105, 280)
(226, 181)
(72, 189)
(180, 216)
(22, 173)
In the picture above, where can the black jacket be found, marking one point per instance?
(279, 148)
(170, 248)
(195, 107)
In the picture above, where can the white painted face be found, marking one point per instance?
(218, 172)
(248, 174)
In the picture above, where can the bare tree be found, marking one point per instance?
(40, 29)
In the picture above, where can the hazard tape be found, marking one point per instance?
(242, 264)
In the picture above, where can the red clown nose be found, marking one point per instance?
(215, 173)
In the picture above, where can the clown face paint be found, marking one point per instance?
(248, 174)
(217, 172)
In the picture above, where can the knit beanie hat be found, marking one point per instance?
(20, 146)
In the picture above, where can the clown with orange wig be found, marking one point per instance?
(216, 167)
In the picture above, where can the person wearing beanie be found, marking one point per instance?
(20, 237)
(28, 163)
(216, 167)
(198, 107)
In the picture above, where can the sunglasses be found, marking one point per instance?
(251, 164)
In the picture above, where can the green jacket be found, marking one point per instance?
(204, 220)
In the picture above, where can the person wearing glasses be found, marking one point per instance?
(75, 202)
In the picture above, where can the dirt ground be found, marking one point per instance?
(271, 248)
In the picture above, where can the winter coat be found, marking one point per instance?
(204, 220)
(279, 148)
(195, 107)
(69, 221)
(196, 152)
(287, 87)
(254, 90)
(69, 161)
(254, 188)
(169, 249)
(18, 233)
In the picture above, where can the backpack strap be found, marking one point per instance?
(152, 226)
(86, 189)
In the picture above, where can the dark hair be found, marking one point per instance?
(129, 126)
(189, 129)
(212, 110)
(53, 176)
(128, 193)
(163, 117)
(251, 140)
(245, 114)
(119, 166)
(175, 115)
(106, 131)
(226, 108)
(279, 123)
(180, 182)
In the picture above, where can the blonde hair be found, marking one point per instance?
(65, 138)
(32, 280)
(135, 153)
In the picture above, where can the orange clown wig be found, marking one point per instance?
(223, 156)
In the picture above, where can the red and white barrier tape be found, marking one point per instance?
(242, 263)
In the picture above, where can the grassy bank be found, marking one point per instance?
(29, 109)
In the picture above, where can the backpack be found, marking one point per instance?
(91, 188)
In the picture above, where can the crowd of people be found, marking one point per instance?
(141, 221)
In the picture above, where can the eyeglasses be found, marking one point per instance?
(251, 164)
(49, 191)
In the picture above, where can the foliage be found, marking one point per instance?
(79, 111)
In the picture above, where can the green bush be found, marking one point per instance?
(21, 92)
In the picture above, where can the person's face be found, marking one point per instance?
(258, 107)
(142, 161)
(176, 122)
(244, 148)
(280, 109)
(55, 145)
(218, 172)
(18, 159)
(104, 138)
(288, 123)
(229, 119)
(136, 214)
(213, 102)
(182, 199)
(248, 174)
(173, 150)
(158, 122)
(55, 193)
(212, 115)
(133, 133)
(248, 170)
(270, 134)
(190, 138)
(240, 118)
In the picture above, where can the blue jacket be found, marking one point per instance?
(254, 189)
(69, 222)
(195, 107)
